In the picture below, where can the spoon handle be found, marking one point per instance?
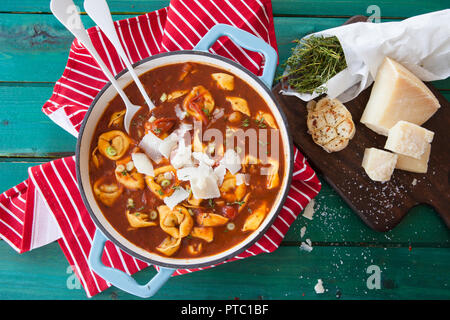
(67, 13)
(99, 12)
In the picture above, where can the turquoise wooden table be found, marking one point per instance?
(413, 260)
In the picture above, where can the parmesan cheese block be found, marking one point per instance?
(379, 164)
(408, 139)
(397, 94)
(414, 165)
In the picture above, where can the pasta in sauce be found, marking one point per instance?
(165, 186)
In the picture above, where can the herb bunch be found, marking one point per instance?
(313, 62)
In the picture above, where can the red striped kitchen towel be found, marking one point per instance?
(48, 205)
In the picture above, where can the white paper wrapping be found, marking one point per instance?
(420, 43)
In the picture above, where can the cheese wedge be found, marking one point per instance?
(408, 139)
(397, 94)
(414, 165)
(379, 164)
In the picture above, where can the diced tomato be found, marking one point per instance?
(161, 126)
(229, 212)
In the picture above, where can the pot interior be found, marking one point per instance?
(97, 109)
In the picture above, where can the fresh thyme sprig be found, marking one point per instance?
(313, 62)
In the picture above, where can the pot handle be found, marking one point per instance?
(247, 41)
(121, 279)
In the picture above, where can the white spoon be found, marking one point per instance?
(67, 13)
(99, 11)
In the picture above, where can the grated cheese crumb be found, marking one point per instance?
(309, 210)
(319, 287)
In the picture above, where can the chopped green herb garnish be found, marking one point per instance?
(313, 62)
(245, 122)
(211, 203)
(161, 193)
(111, 151)
(153, 214)
(206, 111)
(260, 123)
(157, 130)
(165, 183)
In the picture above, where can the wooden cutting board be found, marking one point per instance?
(381, 205)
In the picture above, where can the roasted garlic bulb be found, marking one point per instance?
(330, 124)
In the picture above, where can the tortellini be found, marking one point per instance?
(177, 223)
(230, 191)
(204, 233)
(107, 193)
(224, 81)
(199, 103)
(239, 104)
(117, 118)
(128, 176)
(139, 220)
(113, 144)
(175, 95)
(273, 179)
(96, 159)
(211, 219)
(169, 246)
(255, 218)
(164, 181)
(267, 118)
(195, 248)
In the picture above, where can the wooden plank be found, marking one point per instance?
(34, 47)
(388, 8)
(333, 223)
(288, 273)
(24, 129)
(46, 139)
